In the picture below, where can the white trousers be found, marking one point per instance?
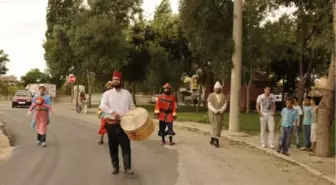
(267, 120)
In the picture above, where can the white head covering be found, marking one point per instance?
(217, 85)
(42, 86)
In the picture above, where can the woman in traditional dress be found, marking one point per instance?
(42, 112)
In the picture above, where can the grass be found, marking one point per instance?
(249, 123)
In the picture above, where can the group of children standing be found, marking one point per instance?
(290, 123)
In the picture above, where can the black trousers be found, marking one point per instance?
(162, 129)
(116, 137)
(42, 138)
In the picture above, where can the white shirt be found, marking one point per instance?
(116, 101)
(266, 103)
(299, 110)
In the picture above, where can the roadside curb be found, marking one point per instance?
(268, 151)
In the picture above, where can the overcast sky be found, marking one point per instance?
(22, 32)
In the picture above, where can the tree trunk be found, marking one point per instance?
(326, 107)
(89, 90)
(247, 87)
(236, 69)
(134, 92)
(77, 93)
(199, 99)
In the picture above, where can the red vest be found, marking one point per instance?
(166, 108)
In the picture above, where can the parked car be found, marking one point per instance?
(22, 98)
(154, 99)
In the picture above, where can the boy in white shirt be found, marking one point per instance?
(298, 126)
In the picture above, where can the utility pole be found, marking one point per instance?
(237, 66)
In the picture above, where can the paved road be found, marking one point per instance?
(73, 158)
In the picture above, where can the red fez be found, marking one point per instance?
(166, 85)
(117, 74)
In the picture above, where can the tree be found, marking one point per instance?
(58, 53)
(3, 60)
(314, 35)
(34, 76)
(326, 109)
(206, 25)
(254, 51)
(168, 48)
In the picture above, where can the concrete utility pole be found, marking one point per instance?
(237, 66)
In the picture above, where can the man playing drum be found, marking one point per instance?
(115, 103)
(165, 110)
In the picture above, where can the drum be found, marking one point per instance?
(137, 124)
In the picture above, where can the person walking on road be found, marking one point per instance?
(216, 104)
(266, 110)
(101, 114)
(165, 111)
(115, 103)
(42, 112)
(47, 100)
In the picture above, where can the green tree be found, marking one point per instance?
(34, 76)
(207, 24)
(3, 60)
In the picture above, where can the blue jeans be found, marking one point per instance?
(285, 138)
(306, 135)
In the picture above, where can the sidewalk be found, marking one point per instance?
(318, 166)
(322, 167)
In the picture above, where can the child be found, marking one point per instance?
(102, 129)
(101, 115)
(42, 112)
(307, 121)
(298, 127)
(313, 132)
(289, 118)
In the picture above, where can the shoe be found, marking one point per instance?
(286, 154)
(298, 146)
(272, 146)
(212, 141)
(38, 142)
(129, 172)
(115, 171)
(216, 142)
(172, 143)
(100, 143)
(163, 142)
(263, 146)
(44, 144)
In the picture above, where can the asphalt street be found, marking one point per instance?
(74, 158)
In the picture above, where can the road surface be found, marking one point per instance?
(73, 158)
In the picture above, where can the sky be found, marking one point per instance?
(22, 31)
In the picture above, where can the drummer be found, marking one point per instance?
(165, 110)
(115, 103)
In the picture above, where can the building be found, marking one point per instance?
(258, 84)
(10, 80)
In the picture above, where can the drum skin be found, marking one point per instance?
(137, 124)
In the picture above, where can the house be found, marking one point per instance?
(258, 84)
(10, 80)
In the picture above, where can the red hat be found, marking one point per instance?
(166, 85)
(117, 74)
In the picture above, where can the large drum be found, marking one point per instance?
(137, 124)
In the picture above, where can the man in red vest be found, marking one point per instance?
(165, 111)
